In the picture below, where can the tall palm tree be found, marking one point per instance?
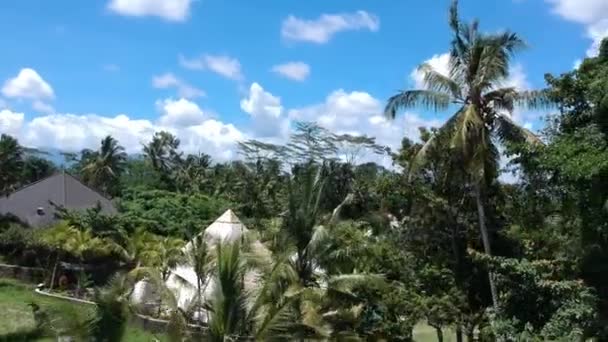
(478, 67)
(162, 152)
(304, 243)
(104, 167)
(11, 163)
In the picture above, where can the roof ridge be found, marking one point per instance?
(63, 173)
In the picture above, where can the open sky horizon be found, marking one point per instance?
(217, 72)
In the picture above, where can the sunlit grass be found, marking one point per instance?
(17, 320)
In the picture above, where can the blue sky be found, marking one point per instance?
(214, 72)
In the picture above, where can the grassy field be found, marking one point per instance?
(16, 318)
(426, 333)
(17, 321)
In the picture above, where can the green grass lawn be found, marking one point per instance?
(425, 333)
(16, 318)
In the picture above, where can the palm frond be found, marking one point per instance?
(468, 128)
(448, 129)
(438, 82)
(535, 99)
(413, 98)
(346, 283)
(502, 99)
(509, 132)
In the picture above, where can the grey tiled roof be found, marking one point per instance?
(62, 189)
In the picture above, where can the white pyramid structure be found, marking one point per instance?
(227, 228)
(183, 280)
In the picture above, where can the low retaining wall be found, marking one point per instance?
(159, 326)
(69, 299)
(32, 275)
(153, 325)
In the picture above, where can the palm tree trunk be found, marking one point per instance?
(54, 273)
(486, 241)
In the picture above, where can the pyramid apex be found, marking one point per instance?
(228, 217)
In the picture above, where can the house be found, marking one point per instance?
(35, 204)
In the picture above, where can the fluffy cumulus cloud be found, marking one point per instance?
(169, 80)
(10, 122)
(322, 29)
(360, 113)
(223, 65)
(440, 63)
(42, 107)
(28, 84)
(297, 71)
(591, 13)
(180, 113)
(266, 111)
(171, 10)
(72, 132)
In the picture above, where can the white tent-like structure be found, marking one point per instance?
(183, 280)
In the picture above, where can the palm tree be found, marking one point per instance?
(303, 244)
(478, 66)
(242, 303)
(162, 153)
(104, 167)
(11, 163)
(80, 244)
(197, 255)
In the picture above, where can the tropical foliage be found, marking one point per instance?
(341, 248)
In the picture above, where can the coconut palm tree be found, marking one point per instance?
(478, 68)
(11, 163)
(303, 244)
(162, 153)
(104, 167)
(198, 256)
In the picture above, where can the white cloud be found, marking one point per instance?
(591, 13)
(224, 65)
(322, 29)
(10, 122)
(27, 84)
(180, 113)
(517, 78)
(42, 107)
(266, 113)
(440, 63)
(597, 32)
(582, 11)
(73, 132)
(169, 80)
(359, 112)
(297, 71)
(171, 10)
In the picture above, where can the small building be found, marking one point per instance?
(35, 204)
